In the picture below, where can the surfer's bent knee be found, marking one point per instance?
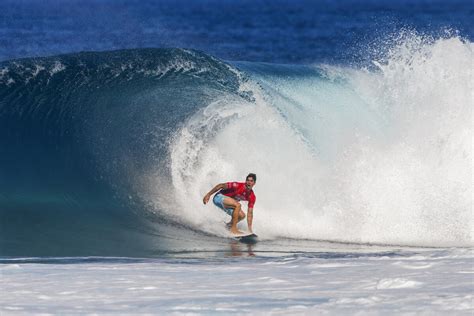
(232, 203)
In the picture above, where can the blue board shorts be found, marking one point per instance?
(219, 202)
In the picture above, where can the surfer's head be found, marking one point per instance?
(250, 180)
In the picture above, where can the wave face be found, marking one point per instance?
(102, 149)
(78, 134)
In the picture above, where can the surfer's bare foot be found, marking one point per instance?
(236, 232)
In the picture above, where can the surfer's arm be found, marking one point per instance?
(220, 186)
(250, 218)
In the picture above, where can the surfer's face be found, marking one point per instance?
(249, 183)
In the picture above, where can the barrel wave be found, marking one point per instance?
(110, 153)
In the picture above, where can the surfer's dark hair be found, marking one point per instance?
(253, 176)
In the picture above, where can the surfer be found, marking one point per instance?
(228, 196)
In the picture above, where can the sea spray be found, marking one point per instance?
(381, 156)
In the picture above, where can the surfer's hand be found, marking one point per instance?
(205, 199)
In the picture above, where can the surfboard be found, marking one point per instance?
(246, 238)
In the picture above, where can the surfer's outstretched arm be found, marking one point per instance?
(250, 218)
(218, 187)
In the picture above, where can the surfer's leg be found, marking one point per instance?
(237, 214)
(241, 217)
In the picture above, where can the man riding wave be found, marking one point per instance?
(229, 195)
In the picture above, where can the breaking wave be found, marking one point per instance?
(124, 145)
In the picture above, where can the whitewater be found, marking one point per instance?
(364, 192)
(343, 154)
(418, 282)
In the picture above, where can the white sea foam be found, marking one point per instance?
(57, 67)
(249, 285)
(397, 283)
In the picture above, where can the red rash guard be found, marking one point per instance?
(238, 191)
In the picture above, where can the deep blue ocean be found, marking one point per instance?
(116, 117)
(263, 31)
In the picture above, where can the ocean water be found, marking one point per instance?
(116, 117)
